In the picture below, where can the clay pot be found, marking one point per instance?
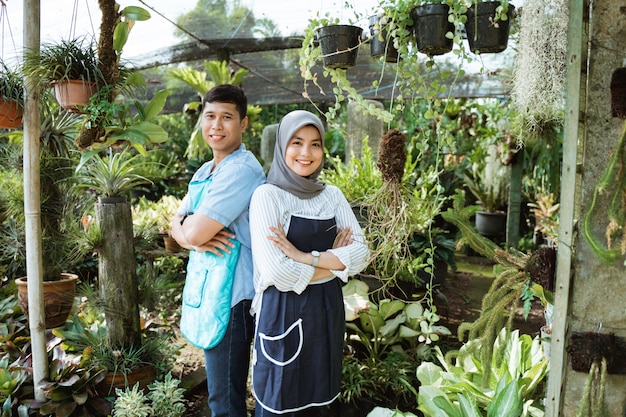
(73, 93)
(10, 114)
(144, 374)
(58, 298)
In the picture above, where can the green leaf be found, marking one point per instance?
(135, 13)
(468, 408)
(392, 325)
(429, 374)
(156, 105)
(389, 308)
(120, 36)
(506, 402)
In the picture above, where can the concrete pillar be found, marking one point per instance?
(361, 125)
(589, 296)
(268, 140)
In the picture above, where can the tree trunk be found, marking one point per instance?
(116, 273)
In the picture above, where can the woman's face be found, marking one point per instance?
(304, 152)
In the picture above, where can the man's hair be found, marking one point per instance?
(228, 93)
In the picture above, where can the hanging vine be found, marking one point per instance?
(592, 402)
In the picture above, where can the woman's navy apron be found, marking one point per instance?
(299, 340)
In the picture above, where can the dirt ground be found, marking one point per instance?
(457, 300)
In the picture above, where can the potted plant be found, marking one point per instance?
(381, 41)
(111, 176)
(334, 62)
(338, 43)
(434, 30)
(123, 365)
(490, 187)
(488, 24)
(70, 66)
(11, 97)
(62, 248)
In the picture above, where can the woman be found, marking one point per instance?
(304, 236)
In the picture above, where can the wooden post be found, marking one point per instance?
(116, 272)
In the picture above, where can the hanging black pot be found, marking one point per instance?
(430, 26)
(340, 45)
(381, 43)
(483, 35)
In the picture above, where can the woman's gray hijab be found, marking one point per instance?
(280, 175)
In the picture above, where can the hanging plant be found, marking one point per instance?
(539, 73)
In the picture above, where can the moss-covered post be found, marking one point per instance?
(116, 272)
(589, 294)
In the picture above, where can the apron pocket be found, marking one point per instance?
(283, 349)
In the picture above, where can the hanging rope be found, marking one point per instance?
(74, 19)
(5, 24)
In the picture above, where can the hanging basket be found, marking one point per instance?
(73, 93)
(381, 44)
(430, 25)
(339, 45)
(483, 35)
(10, 114)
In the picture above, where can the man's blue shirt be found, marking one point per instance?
(232, 183)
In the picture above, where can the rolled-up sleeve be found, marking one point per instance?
(271, 266)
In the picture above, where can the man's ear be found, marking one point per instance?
(244, 123)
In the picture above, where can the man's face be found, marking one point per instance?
(222, 127)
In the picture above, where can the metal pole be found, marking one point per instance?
(32, 205)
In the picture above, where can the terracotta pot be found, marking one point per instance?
(58, 298)
(10, 114)
(73, 93)
(340, 45)
(144, 374)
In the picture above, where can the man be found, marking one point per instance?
(232, 175)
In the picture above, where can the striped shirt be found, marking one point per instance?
(268, 206)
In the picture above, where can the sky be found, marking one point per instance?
(58, 21)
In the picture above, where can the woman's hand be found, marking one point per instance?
(286, 247)
(344, 237)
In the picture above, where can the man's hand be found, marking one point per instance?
(219, 244)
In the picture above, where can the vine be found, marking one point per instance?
(612, 188)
